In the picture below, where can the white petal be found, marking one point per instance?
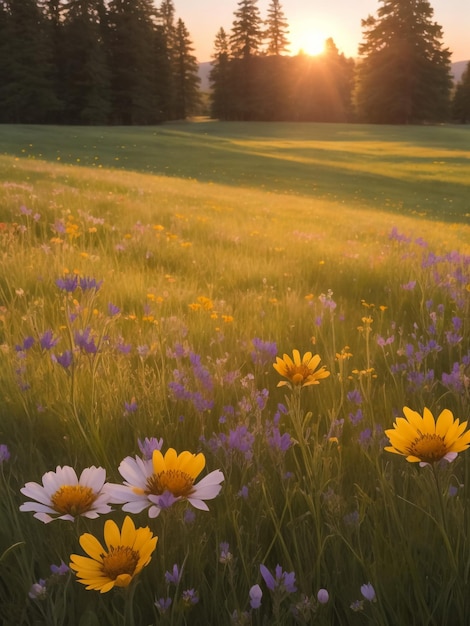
(93, 477)
(117, 494)
(199, 504)
(37, 507)
(209, 487)
(136, 507)
(43, 517)
(154, 511)
(36, 492)
(136, 471)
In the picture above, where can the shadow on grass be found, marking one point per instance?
(419, 171)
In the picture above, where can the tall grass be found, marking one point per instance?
(190, 290)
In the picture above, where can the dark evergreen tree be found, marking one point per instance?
(86, 74)
(26, 84)
(461, 99)
(220, 77)
(131, 48)
(404, 75)
(245, 40)
(277, 29)
(165, 49)
(186, 77)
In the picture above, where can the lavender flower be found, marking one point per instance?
(174, 576)
(255, 596)
(113, 309)
(65, 359)
(264, 352)
(190, 597)
(368, 592)
(163, 604)
(60, 570)
(4, 453)
(87, 283)
(148, 445)
(67, 283)
(225, 554)
(284, 581)
(47, 340)
(323, 596)
(84, 341)
(38, 590)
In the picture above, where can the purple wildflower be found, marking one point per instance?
(368, 592)
(60, 570)
(190, 597)
(67, 283)
(277, 441)
(323, 596)
(28, 342)
(84, 341)
(354, 396)
(47, 340)
(4, 453)
(409, 286)
(174, 576)
(163, 604)
(65, 359)
(148, 445)
(87, 283)
(130, 407)
(255, 596)
(264, 352)
(284, 581)
(225, 554)
(38, 590)
(113, 309)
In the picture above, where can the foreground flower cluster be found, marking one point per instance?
(157, 483)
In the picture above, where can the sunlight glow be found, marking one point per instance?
(311, 43)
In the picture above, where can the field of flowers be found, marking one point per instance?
(221, 407)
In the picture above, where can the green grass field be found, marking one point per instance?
(149, 278)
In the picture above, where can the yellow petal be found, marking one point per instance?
(428, 422)
(158, 462)
(112, 535)
(128, 533)
(92, 546)
(444, 422)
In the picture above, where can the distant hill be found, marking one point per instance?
(457, 69)
(203, 73)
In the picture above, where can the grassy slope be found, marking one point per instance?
(421, 171)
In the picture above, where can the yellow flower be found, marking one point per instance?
(427, 440)
(126, 554)
(300, 372)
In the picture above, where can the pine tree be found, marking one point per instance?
(220, 77)
(461, 99)
(131, 46)
(85, 69)
(26, 85)
(247, 33)
(245, 43)
(185, 73)
(404, 75)
(276, 30)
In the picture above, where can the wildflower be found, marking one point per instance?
(60, 570)
(190, 597)
(148, 445)
(4, 453)
(67, 283)
(113, 309)
(255, 596)
(130, 407)
(126, 554)
(174, 576)
(65, 359)
(283, 580)
(357, 605)
(63, 496)
(300, 371)
(47, 340)
(323, 596)
(87, 283)
(424, 440)
(163, 604)
(225, 554)
(368, 592)
(149, 482)
(38, 590)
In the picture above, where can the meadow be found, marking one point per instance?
(150, 279)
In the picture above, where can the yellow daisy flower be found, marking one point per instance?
(425, 440)
(126, 554)
(300, 371)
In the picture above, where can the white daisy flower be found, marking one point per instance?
(63, 496)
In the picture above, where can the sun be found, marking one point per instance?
(312, 43)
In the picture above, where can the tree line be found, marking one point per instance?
(132, 62)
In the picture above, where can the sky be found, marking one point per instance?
(313, 21)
